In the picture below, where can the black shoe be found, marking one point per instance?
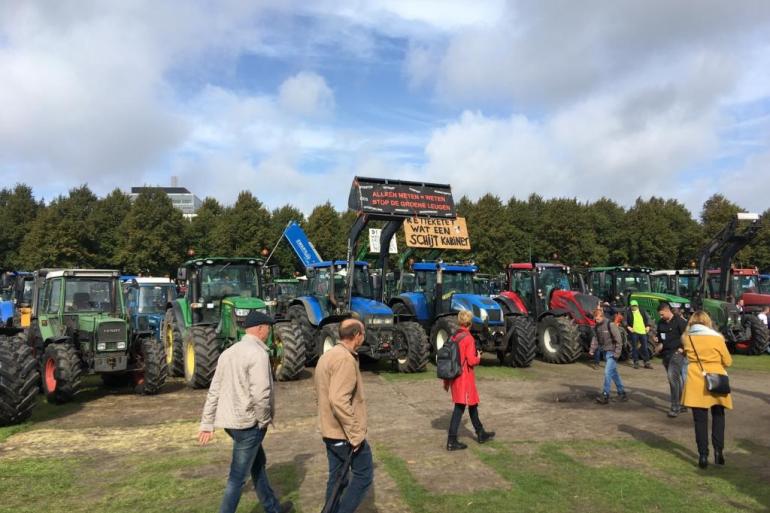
(719, 458)
(484, 436)
(603, 399)
(636, 365)
(647, 365)
(672, 414)
(455, 445)
(683, 409)
(623, 397)
(286, 507)
(703, 460)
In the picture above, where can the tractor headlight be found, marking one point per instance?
(241, 312)
(101, 346)
(379, 321)
(121, 345)
(483, 314)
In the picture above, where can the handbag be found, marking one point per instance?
(717, 384)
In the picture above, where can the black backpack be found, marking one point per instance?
(448, 364)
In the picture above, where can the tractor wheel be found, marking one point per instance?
(415, 358)
(172, 343)
(62, 373)
(289, 351)
(558, 340)
(307, 333)
(443, 330)
(758, 342)
(653, 333)
(328, 337)
(523, 340)
(201, 352)
(152, 358)
(18, 381)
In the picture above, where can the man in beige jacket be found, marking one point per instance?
(241, 401)
(342, 418)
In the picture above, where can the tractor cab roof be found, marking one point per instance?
(674, 272)
(338, 263)
(151, 280)
(455, 267)
(83, 273)
(223, 260)
(528, 266)
(622, 268)
(751, 271)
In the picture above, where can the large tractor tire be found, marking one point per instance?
(443, 329)
(328, 337)
(201, 352)
(62, 373)
(522, 341)
(558, 340)
(758, 342)
(18, 381)
(172, 343)
(289, 351)
(307, 333)
(415, 357)
(152, 358)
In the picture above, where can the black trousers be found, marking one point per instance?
(701, 418)
(457, 415)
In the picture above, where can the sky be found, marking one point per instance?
(291, 99)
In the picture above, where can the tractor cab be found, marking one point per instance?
(16, 302)
(147, 300)
(539, 284)
(744, 286)
(764, 283)
(682, 283)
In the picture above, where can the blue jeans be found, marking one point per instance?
(611, 374)
(639, 347)
(598, 356)
(352, 490)
(248, 457)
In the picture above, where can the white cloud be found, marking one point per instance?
(306, 94)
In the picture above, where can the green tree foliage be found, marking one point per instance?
(493, 240)
(716, 214)
(284, 256)
(108, 214)
(153, 235)
(18, 210)
(244, 229)
(326, 231)
(62, 235)
(203, 227)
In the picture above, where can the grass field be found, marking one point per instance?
(752, 363)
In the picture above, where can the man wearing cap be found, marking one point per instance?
(638, 325)
(241, 401)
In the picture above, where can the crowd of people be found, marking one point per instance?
(241, 397)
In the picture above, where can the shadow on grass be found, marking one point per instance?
(286, 479)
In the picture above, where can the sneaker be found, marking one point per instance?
(603, 399)
(623, 397)
(636, 365)
(683, 409)
(647, 365)
(672, 414)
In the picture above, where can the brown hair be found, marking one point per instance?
(465, 318)
(350, 328)
(700, 317)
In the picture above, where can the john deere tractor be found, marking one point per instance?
(78, 327)
(543, 294)
(220, 293)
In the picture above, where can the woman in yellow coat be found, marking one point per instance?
(714, 357)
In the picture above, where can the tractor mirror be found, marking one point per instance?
(181, 274)
(310, 272)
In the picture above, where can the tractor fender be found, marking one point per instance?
(312, 307)
(57, 340)
(417, 303)
(408, 304)
(179, 318)
(334, 318)
(510, 305)
(142, 334)
(552, 313)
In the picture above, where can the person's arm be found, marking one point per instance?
(727, 359)
(206, 431)
(342, 387)
(594, 344)
(471, 355)
(259, 387)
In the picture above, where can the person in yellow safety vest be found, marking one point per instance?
(638, 326)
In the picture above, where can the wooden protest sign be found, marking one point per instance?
(428, 232)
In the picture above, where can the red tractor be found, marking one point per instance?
(540, 296)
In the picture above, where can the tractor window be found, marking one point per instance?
(458, 283)
(362, 285)
(764, 285)
(426, 282)
(88, 295)
(220, 281)
(597, 285)
(660, 284)
(521, 283)
(26, 293)
(627, 282)
(743, 284)
(153, 299)
(553, 278)
(686, 286)
(54, 295)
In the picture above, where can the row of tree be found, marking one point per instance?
(149, 235)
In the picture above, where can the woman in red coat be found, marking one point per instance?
(464, 386)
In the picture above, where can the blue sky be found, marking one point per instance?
(292, 99)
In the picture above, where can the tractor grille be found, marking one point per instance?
(111, 333)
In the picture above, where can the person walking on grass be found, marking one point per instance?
(464, 392)
(606, 338)
(707, 353)
(638, 326)
(343, 420)
(671, 327)
(241, 400)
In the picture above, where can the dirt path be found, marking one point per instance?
(410, 418)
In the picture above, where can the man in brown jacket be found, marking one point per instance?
(342, 418)
(241, 400)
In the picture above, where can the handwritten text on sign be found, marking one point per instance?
(437, 233)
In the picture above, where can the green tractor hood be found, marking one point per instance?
(649, 302)
(243, 302)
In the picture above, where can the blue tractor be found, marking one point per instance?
(147, 300)
(440, 291)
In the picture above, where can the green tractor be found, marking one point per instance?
(220, 293)
(78, 327)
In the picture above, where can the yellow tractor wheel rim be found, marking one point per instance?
(169, 345)
(189, 360)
